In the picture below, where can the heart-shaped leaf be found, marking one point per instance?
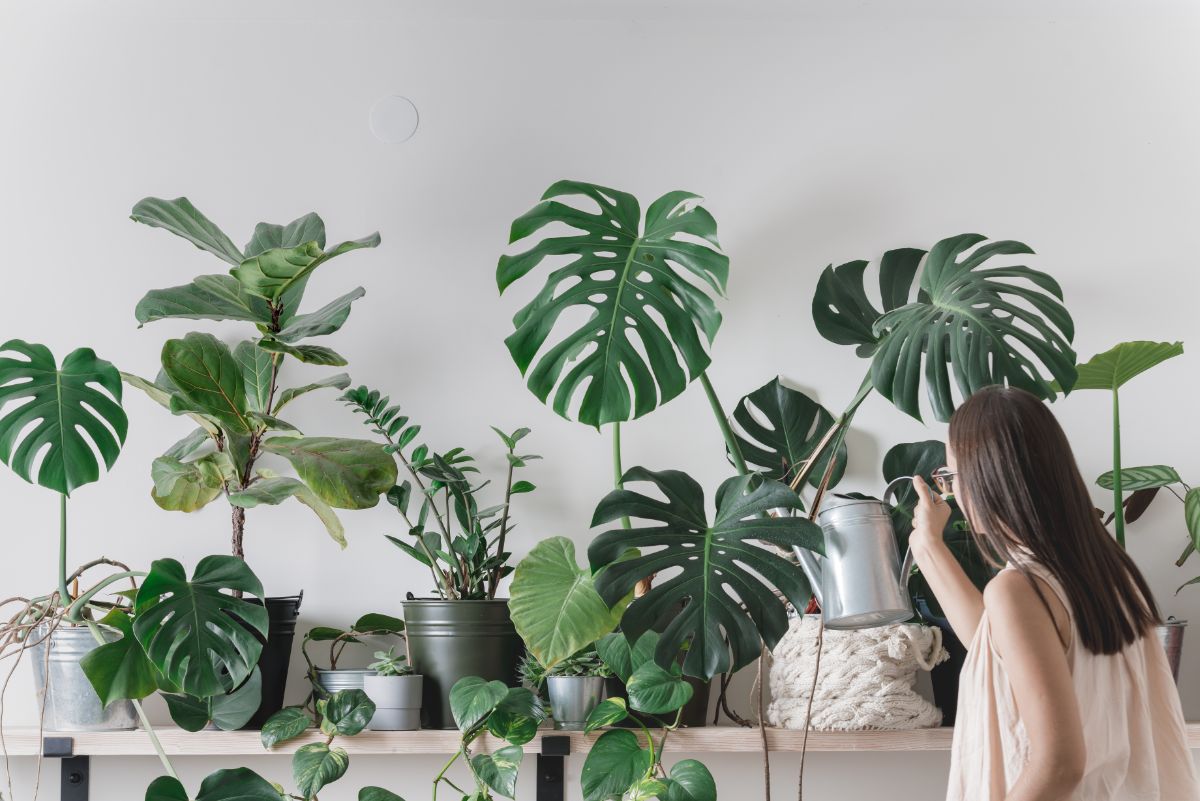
(622, 657)
(346, 713)
(691, 781)
(183, 219)
(517, 717)
(644, 291)
(119, 670)
(277, 489)
(1140, 478)
(472, 699)
(345, 473)
(608, 712)
(286, 724)
(208, 379)
(554, 604)
(614, 764)
(166, 788)
(984, 325)
(722, 566)
(377, 794)
(238, 784)
(1119, 365)
(228, 711)
(63, 417)
(778, 430)
(656, 691)
(195, 630)
(316, 765)
(499, 770)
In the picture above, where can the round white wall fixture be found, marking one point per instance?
(394, 119)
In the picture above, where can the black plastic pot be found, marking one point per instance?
(944, 677)
(449, 640)
(276, 656)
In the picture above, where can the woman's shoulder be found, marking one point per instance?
(1012, 597)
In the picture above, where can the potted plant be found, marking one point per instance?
(333, 678)
(574, 687)
(235, 397)
(396, 691)
(465, 630)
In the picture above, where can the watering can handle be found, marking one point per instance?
(907, 565)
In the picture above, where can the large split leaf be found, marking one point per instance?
(65, 416)
(196, 631)
(208, 379)
(277, 489)
(777, 430)
(722, 566)
(554, 603)
(647, 295)
(345, 473)
(1119, 365)
(183, 219)
(980, 325)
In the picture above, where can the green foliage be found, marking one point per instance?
(345, 473)
(980, 325)
(779, 429)
(284, 725)
(615, 763)
(120, 670)
(691, 781)
(238, 784)
(228, 711)
(377, 794)
(630, 275)
(608, 712)
(65, 416)
(498, 770)
(345, 713)
(389, 663)
(723, 566)
(1116, 367)
(372, 624)
(1140, 478)
(316, 765)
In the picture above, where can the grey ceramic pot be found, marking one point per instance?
(572, 699)
(397, 702)
(71, 703)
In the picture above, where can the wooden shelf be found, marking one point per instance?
(712, 739)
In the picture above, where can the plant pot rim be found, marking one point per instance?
(409, 676)
(587, 676)
(345, 670)
(455, 601)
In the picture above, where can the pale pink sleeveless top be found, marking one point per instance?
(1133, 724)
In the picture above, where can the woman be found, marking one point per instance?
(1066, 692)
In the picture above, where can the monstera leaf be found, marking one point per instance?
(779, 428)
(722, 566)
(198, 635)
(64, 416)
(647, 295)
(982, 325)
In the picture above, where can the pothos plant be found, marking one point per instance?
(372, 624)
(461, 542)
(234, 395)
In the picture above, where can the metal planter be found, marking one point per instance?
(572, 699)
(71, 703)
(332, 681)
(1170, 634)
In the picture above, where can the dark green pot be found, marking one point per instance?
(449, 640)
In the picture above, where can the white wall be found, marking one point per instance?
(819, 132)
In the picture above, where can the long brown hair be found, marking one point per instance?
(1025, 499)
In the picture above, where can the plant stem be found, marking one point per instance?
(64, 596)
(1118, 506)
(239, 528)
(618, 471)
(494, 579)
(731, 443)
(836, 431)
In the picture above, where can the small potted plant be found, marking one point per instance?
(574, 686)
(396, 691)
(333, 678)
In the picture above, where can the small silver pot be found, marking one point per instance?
(71, 703)
(572, 699)
(331, 681)
(1170, 634)
(397, 702)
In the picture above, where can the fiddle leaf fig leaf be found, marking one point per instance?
(316, 765)
(207, 297)
(166, 396)
(256, 365)
(65, 416)
(119, 669)
(345, 473)
(187, 486)
(309, 354)
(499, 769)
(277, 489)
(272, 273)
(615, 763)
(184, 220)
(1140, 478)
(1119, 365)
(269, 236)
(208, 379)
(723, 565)
(554, 604)
(778, 428)
(195, 632)
(339, 381)
(644, 291)
(325, 320)
(982, 325)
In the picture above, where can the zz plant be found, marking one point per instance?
(234, 395)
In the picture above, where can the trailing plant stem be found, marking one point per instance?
(731, 443)
(1118, 506)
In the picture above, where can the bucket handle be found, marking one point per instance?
(888, 495)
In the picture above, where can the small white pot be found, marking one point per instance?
(397, 702)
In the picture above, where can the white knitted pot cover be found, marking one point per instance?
(867, 678)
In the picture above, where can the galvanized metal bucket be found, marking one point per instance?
(1170, 634)
(572, 699)
(332, 681)
(71, 703)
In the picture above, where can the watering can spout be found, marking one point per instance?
(811, 565)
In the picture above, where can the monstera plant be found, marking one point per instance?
(234, 395)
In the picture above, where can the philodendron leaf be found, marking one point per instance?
(691, 781)
(119, 670)
(554, 604)
(325, 320)
(1140, 478)
(616, 761)
(377, 794)
(339, 381)
(723, 565)
(207, 297)
(345, 473)
(1119, 365)
(656, 691)
(62, 418)
(277, 489)
(316, 765)
(981, 325)
(472, 699)
(286, 724)
(516, 718)
(309, 354)
(608, 712)
(499, 769)
(623, 657)
(228, 711)
(273, 272)
(195, 632)
(268, 236)
(647, 297)
(208, 379)
(778, 428)
(375, 623)
(186, 486)
(183, 219)
(346, 713)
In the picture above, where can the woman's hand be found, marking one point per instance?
(929, 518)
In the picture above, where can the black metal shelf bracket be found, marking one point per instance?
(75, 771)
(552, 768)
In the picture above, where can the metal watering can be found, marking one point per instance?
(860, 582)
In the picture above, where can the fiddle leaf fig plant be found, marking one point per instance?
(234, 394)
(729, 568)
